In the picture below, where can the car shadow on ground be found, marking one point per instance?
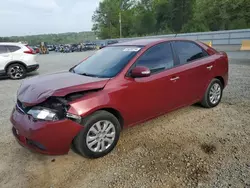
(28, 76)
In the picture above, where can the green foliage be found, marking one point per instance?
(64, 38)
(147, 17)
(152, 17)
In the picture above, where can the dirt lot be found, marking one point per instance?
(191, 147)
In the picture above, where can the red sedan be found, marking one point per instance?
(119, 86)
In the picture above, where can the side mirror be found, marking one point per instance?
(140, 71)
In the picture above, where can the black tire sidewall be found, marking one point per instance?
(80, 140)
(210, 104)
(16, 64)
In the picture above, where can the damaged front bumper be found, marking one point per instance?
(47, 137)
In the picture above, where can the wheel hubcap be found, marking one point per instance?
(101, 136)
(215, 93)
(16, 71)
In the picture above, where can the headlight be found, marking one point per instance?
(43, 114)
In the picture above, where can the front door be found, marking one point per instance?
(144, 98)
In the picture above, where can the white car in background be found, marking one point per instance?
(16, 60)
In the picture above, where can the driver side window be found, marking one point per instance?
(157, 58)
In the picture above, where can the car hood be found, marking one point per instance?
(37, 89)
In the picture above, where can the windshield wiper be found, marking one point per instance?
(90, 75)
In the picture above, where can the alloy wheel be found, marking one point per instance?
(215, 93)
(101, 136)
(16, 71)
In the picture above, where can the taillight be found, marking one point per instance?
(29, 51)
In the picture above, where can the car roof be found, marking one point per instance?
(146, 42)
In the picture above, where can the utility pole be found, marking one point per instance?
(120, 21)
(110, 31)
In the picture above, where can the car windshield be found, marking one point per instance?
(107, 62)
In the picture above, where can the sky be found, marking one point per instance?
(29, 17)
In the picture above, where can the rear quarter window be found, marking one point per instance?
(3, 49)
(13, 48)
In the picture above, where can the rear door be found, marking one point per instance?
(193, 70)
(15, 52)
(5, 57)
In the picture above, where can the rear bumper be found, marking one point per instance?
(2, 73)
(52, 138)
(31, 68)
(225, 79)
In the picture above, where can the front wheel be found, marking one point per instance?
(99, 136)
(213, 94)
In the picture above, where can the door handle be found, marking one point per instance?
(175, 78)
(210, 67)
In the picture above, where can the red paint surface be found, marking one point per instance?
(56, 137)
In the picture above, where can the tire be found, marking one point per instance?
(212, 99)
(16, 71)
(103, 119)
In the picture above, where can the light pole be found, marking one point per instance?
(120, 21)
(108, 24)
(120, 16)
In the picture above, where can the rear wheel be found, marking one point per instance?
(16, 71)
(99, 136)
(213, 94)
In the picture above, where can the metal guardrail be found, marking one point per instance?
(229, 37)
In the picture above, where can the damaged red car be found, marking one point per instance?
(121, 85)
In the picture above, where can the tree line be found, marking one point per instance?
(63, 38)
(151, 17)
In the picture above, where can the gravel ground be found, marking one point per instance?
(191, 147)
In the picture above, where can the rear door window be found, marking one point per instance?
(3, 50)
(157, 58)
(188, 51)
(13, 48)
